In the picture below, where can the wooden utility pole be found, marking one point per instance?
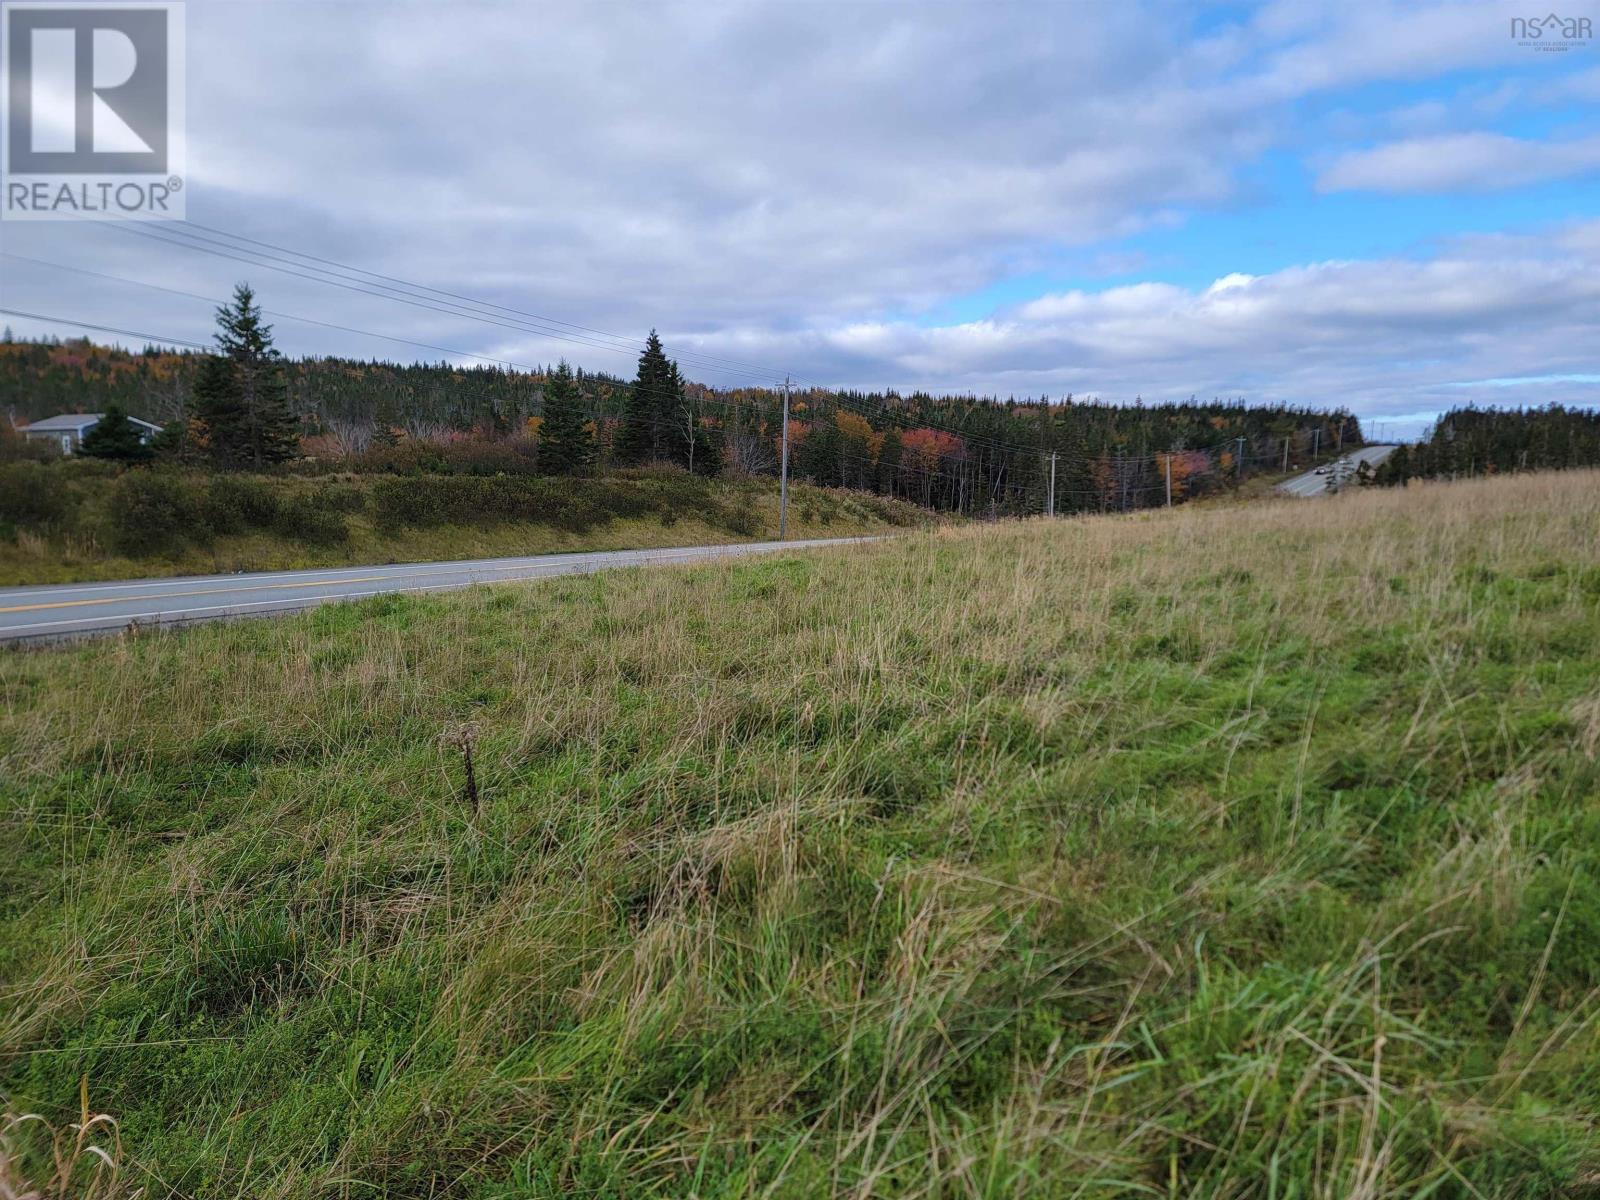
(783, 469)
(1286, 456)
(1169, 478)
(1052, 483)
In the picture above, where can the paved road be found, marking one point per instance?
(77, 608)
(1312, 484)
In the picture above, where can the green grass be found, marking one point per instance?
(78, 520)
(1229, 852)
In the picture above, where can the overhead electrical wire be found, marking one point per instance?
(285, 316)
(435, 299)
(633, 345)
(734, 362)
(150, 338)
(953, 475)
(456, 305)
(391, 288)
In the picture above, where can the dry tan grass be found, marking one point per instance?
(1091, 857)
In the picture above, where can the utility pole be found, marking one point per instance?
(1169, 478)
(1285, 456)
(783, 475)
(1316, 441)
(1240, 463)
(1052, 483)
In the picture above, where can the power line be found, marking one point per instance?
(148, 337)
(126, 227)
(436, 299)
(1114, 461)
(454, 304)
(157, 338)
(952, 476)
(191, 241)
(285, 316)
(534, 371)
(618, 343)
(238, 237)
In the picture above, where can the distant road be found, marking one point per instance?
(63, 610)
(1312, 484)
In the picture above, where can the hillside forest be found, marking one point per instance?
(971, 454)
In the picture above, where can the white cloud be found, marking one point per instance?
(782, 183)
(1460, 162)
(1387, 337)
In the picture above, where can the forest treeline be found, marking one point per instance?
(966, 453)
(1493, 441)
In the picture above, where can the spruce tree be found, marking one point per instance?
(240, 393)
(646, 422)
(889, 453)
(116, 438)
(565, 444)
(819, 456)
(385, 421)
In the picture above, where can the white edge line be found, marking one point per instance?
(403, 570)
(178, 615)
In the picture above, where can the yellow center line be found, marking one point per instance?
(254, 587)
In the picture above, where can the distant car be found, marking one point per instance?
(1321, 471)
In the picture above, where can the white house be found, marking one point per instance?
(66, 431)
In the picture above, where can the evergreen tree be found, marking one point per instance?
(889, 463)
(116, 438)
(385, 421)
(565, 444)
(646, 422)
(709, 450)
(240, 393)
(656, 421)
(819, 455)
(172, 444)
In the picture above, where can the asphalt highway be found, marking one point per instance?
(65, 610)
(1312, 484)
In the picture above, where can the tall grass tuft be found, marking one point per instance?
(1244, 851)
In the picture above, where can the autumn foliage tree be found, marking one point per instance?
(923, 453)
(970, 453)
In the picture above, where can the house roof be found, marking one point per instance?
(73, 422)
(65, 423)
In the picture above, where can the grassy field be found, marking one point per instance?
(1243, 851)
(70, 521)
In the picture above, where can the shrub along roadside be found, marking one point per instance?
(163, 516)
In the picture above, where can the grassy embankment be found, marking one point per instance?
(1245, 852)
(61, 522)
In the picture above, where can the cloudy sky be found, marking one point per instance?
(1393, 206)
